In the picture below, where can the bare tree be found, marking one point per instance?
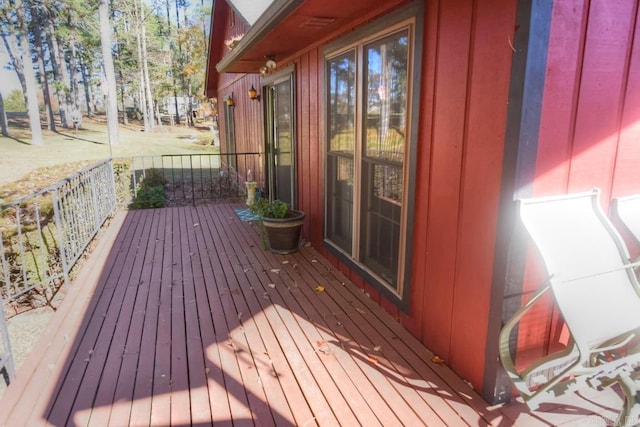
(3, 118)
(17, 42)
(37, 37)
(109, 71)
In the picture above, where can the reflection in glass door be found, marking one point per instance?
(280, 141)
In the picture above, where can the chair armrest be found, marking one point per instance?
(504, 348)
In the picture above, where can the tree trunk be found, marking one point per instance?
(46, 95)
(110, 76)
(173, 68)
(30, 80)
(55, 67)
(145, 67)
(87, 89)
(143, 98)
(125, 117)
(60, 73)
(4, 127)
(13, 49)
(75, 87)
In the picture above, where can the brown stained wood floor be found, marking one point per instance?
(180, 318)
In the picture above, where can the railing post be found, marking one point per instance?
(94, 197)
(193, 184)
(114, 188)
(61, 237)
(6, 358)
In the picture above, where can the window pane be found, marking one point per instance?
(342, 103)
(340, 201)
(385, 101)
(283, 143)
(386, 97)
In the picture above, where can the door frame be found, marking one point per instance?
(268, 82)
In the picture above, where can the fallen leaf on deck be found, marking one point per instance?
(437, 360)
(272, 285)
(196, 224)
(361, 311)
(323, 347)
(372, 359)
(319, 288)
(265, 295)
(377, 348)
(239, 315)
(314, 260)
(207, 371)
(275, 270)
(285, 262)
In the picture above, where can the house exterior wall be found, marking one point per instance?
(466, 65)
(577, 128)
(589, 128)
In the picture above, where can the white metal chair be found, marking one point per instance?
(597, 294)
(628, 210)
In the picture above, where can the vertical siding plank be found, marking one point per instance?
(489, 75)
(452, 63)
(413, 322)
(626, 179)
(601, 95)
(315, 147)
(557, 121)
(304, 143)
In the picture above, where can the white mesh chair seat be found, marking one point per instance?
(597, 294)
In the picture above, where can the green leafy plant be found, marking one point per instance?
(150, 193)
(266, 208)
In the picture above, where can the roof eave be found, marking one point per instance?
(277, 12)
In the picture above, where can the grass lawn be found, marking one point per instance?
(66, 151)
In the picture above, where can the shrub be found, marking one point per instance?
(270, 208)
(150, 193)
(15, 102)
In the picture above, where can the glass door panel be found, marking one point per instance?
(385, 107)
(341, 73)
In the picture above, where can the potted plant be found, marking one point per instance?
(280, 226)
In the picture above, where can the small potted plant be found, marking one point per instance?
(280, 226)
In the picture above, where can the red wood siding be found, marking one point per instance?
(464, 88)
(488, 87)
(466, 72)
(590, 122)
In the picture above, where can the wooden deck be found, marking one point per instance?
(180, 318)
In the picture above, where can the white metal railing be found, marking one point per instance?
(44, 234)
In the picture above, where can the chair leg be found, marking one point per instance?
(630, 414)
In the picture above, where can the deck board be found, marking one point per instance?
(180, 318)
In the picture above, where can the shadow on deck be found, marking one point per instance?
(180, 318)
